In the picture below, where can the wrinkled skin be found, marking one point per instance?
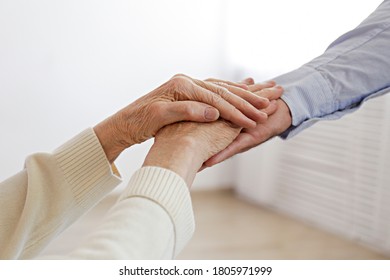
(181, 99)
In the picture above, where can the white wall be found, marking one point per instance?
(66, 65)
(281, 35)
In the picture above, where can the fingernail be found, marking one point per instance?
(211, 114)
(264, 115)
(253, 124)
(265, 101)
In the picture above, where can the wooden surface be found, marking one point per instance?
(229, 228)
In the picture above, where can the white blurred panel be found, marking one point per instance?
(335, 174)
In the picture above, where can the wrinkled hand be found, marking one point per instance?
(180, 99)
(183, 147)
(276, 124)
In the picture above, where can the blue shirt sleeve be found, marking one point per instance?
(354, 68)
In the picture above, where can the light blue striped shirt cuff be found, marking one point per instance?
(352, 70)
(308, 96)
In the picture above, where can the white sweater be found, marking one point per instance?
(153, 218)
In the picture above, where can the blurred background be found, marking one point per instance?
(67, 65)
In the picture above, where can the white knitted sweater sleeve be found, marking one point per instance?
(152, 219)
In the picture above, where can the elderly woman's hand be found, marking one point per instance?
(180, 99)
(183, 147)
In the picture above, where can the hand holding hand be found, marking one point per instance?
(183, 147)
(180, 99)
(276, 124)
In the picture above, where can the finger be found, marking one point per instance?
(248, 81)
(217, 81)
(231, 107)
(187, 111)
(260, 86)
(272, 93)
(271, 108)
(256, 100)
(243, 142)
(234, 96)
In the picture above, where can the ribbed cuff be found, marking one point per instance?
(86, 168)
(170, 191)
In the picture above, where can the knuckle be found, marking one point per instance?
(216, 99)
(199, 87)
(179, 86)
(203, 84)
(180, 80)
(224, 93)
(178, 75)
(176, 80)
(221, 83)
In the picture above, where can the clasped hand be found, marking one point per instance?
(185, 147)
(193, 121)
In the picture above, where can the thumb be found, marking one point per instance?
(189, 111)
